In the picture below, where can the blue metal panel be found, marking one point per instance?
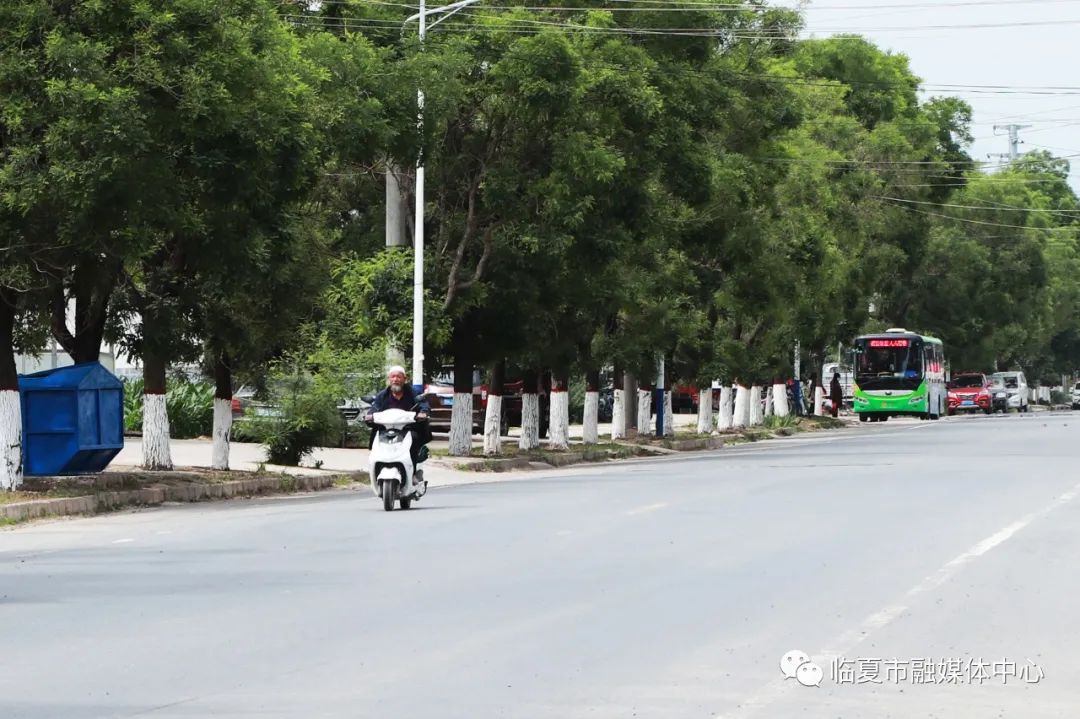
(73, 419)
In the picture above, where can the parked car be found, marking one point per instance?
(684, 399)
(442, 385)
(442, 404)
(1017, 395)
(245, 405)
(241, 400)
(1075, 398)
(354, 410)
(970, 392)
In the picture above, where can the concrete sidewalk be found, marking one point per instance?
(247, 456)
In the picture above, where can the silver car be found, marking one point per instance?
(1010, 391)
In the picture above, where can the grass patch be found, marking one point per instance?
(651, 440)
(815, 423)
(589, 453)
(348, 480)
(776, 422)
(56, 493)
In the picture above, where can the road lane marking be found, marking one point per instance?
(648, 508)
(122, 541)
(846, 642)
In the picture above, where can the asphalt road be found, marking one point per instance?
(661, 588)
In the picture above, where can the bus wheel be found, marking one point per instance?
(863, 417)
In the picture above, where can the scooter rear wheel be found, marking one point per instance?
(405, 502)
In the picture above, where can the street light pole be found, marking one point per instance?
(418, 223)
(418, 232)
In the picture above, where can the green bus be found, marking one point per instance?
(899, 373)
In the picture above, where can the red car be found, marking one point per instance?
(442, 405)
(970, 393)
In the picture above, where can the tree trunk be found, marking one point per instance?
(530, 411)
(630, 403)
(757, 416)
(493, 414)
(726, 417)
(644, 409)
(741, 417)
(10, 406)
(669, 415)
(155, 428)
(559, 422)
(780, 400)
(704, 411)
(461, 417)
(590, 432)
(223, 416)
(618, 406)
(819, 401)
(92, 287)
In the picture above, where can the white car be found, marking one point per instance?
(1017, 394)
(1076, 396)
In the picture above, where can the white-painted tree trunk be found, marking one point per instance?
(10, 440)
(461, 419)
(590, 432)
(780, 400)
(618, 414)
(644, 411)
(492, 425)
(222, 430)
(155, 433)
(819, 401)
(726, 420)
(559, 422)
(769, 409)
(757, 416)
(530, 421)
(669, 415)
(742, 407)
(704, 411)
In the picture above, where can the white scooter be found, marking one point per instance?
(390, 465)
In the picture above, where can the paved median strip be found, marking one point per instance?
(180, 487)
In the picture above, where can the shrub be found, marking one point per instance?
(305, 393)
(190, 406)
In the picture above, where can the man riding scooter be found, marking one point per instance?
(399, 395)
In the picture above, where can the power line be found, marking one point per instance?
(1065, 213)
(974, 222)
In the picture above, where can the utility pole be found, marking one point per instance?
(418, 226)
(1014, 141)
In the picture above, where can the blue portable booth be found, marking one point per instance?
(73, 419)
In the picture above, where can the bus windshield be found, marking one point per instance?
(892, 363)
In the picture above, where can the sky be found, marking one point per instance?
(1018, 46)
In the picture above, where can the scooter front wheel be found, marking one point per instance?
(388, 493)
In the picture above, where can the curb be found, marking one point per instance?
(690, 445)
(567, 459)
(104, 501)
